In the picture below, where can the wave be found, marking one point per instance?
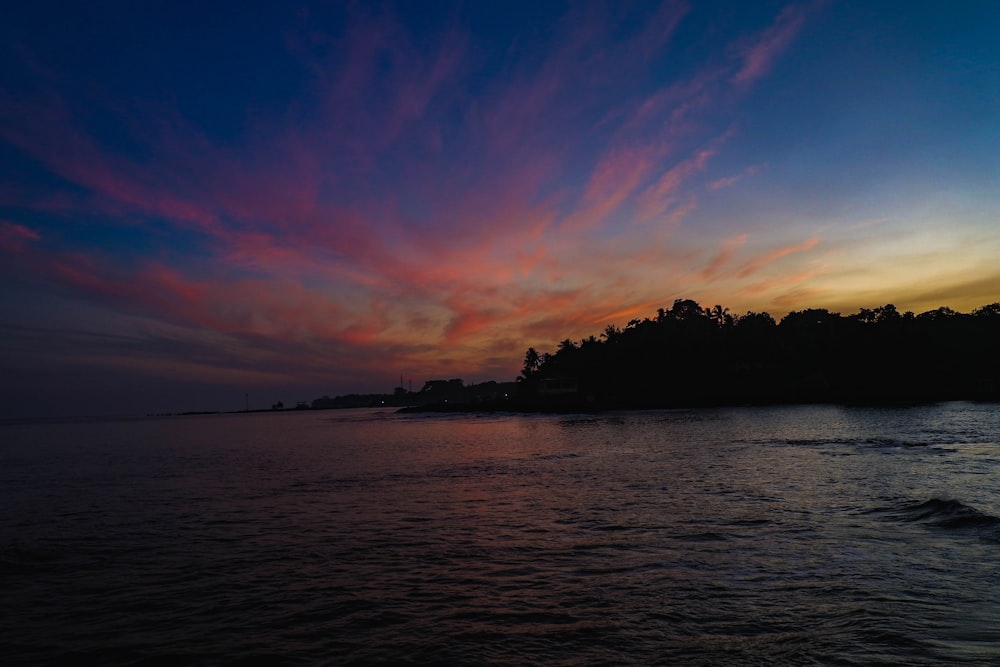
(879, 443)
(950, 514)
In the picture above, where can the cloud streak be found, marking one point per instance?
(758, 55)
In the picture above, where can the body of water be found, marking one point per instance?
(788, 535)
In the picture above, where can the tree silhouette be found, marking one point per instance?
(689, 355)
(532, 360)
(720, 315)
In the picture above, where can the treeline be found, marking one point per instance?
(690, 355)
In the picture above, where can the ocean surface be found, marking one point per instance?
(753, 536)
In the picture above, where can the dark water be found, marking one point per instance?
(795, 535)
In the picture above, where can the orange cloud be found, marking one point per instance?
(729, 248)
(781, 281)
(757, 263)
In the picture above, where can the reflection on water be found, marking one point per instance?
(789, 535)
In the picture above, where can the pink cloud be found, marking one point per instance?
(660, 27)
(246, 306)
(374, 85)
(725, 182)
(663, 193)
(612, 183)
(670, 107)
(43, 129)
(758, 55)
(13, 237)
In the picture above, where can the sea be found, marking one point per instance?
(793, 535)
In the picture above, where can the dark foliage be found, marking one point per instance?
(689, 355)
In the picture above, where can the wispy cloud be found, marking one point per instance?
(757, 263)
(729, 248)
(758, 55)
(664, 192)
(727, 181)
(13, 236)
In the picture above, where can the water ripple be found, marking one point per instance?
(696, 538)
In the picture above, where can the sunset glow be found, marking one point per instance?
(199, 204)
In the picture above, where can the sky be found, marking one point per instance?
(204, 204)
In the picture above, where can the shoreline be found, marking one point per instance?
(582, 406)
